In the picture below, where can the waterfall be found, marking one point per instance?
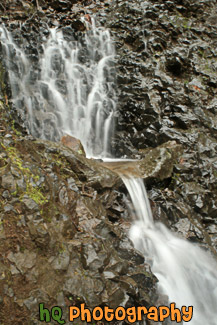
(71, 90)
(186, 273)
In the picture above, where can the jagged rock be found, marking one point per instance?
(86, 169)
(61, 262)
(23, 261)
(8, 182)
(62, 5)
(62, 211)
(30, 203)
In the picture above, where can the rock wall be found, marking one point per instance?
(63, 232)
(166, 60)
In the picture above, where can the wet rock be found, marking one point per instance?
(166, 80)
(8, 208)
(31, 303)
(92, 259)
(61, 5)
(78, 25)
(125, 252)
(86, 169)
(14, 270)
(73, 143)
(2, 271)
(63, 196)
(157, 163)
(8, 291)
(2, 231)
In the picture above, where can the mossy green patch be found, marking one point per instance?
(32, 190)
(18, 133)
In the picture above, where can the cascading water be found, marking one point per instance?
(72, 92)
(71, 89)
(186, 273)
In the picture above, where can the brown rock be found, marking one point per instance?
(73, 144)
(157, 163)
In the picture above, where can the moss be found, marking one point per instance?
(2, 84)
(34, 192)
(18, 133)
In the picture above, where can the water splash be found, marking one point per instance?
(186, 273)
(71, 89)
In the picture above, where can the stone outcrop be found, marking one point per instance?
(157, 164)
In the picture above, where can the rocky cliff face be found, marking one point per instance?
(166, 59)
(64, 220)
(63, 232)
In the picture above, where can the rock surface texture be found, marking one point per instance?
(166, 60)
(63, 218)
(63, 232)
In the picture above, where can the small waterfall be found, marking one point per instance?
(71, 89)
(186, 273)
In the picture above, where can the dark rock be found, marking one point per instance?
(62, 5)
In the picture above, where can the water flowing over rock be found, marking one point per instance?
(64, 224)
(186, 273)
(67, 87)
(158, 163)
(58, 243)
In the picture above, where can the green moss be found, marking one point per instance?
(18, 133)
(34, 192)
(2, 84)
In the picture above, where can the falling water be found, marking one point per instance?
(186, 273)
(71, 89)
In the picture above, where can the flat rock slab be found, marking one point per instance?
(124, 168)
(157, 163)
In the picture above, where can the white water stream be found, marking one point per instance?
(71, 89)
(73, 92)
(186, 273)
